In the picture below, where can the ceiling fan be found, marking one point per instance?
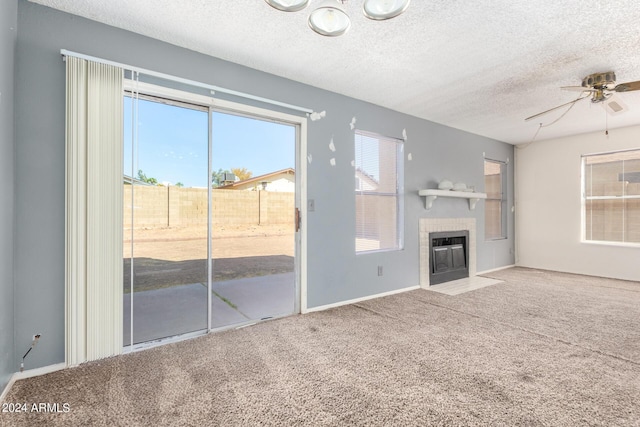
(599, 87)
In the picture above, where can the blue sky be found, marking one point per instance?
(172, 144)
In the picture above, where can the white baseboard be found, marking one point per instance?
(7, 388)
(494, 269)
(353, 301)
(39, 371)
(28, 374)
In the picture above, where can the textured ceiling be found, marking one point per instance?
(477, 66)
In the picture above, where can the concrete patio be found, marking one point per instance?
(167, 312)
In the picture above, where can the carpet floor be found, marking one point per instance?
(541, 349)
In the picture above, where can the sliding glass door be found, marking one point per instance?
(166, 176)
(210, 233)
(253, 220)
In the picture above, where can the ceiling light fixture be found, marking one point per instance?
(330, 19)
(288, 5)
(380, 10)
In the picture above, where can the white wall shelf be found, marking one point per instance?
(431, 195)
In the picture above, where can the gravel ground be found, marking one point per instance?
(178, 256)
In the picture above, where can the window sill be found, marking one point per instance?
(605, 243)
(377, 251)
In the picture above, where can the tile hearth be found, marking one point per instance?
(460, 286)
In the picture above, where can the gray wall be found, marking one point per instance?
(8, 23)
(335, 273)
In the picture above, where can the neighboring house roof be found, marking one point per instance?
(129, 180)
(257, 179)
(367, 182)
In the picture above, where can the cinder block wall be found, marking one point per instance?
(150, 206)
(235, 207)
(187, 207)
(167, 207)
(276, 207)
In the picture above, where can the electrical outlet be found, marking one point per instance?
(380, 271)
(311, 205)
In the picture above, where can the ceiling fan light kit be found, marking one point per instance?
(599, 80)
(330, 19)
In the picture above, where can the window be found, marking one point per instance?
(379, 192)
(495, 212)
(611, 197)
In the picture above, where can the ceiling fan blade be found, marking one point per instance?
(627, 87)
(555, 108)
(578, 88)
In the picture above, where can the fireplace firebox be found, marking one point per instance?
(449, 257)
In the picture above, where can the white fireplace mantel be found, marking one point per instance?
(431, 195)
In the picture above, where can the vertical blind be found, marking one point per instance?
(379, 189)
(93, 197)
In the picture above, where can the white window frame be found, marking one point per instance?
(399, 193)
(584, 198)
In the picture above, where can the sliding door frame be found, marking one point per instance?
(300, 125)
(240, 109)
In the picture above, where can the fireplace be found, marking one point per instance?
(429, 226)
(449, 256)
